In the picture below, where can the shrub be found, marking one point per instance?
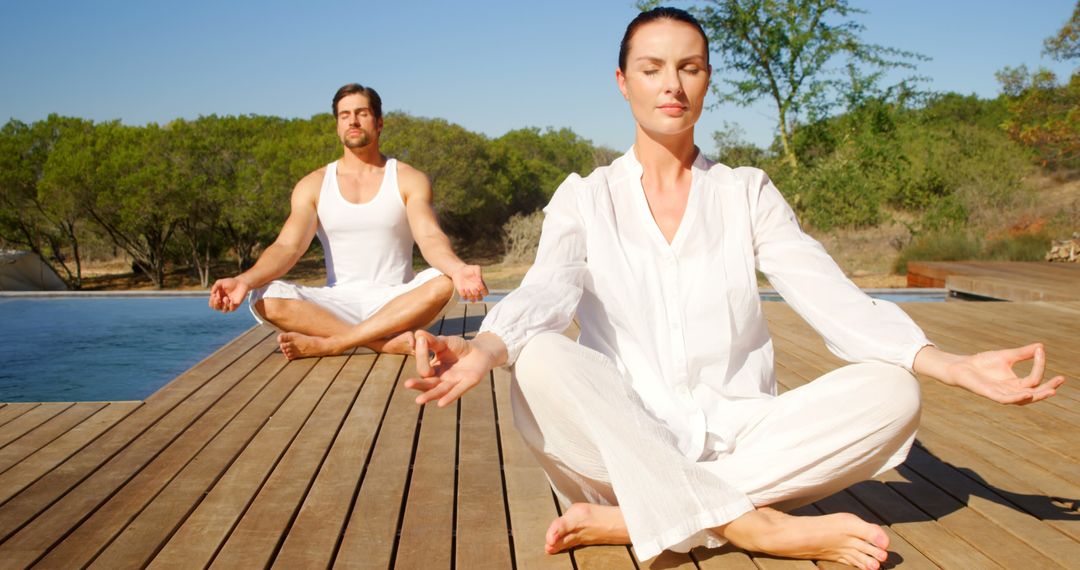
(938, 246)
(522, 236)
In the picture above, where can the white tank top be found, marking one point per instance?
(369, 242)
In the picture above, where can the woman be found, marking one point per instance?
(660, 427)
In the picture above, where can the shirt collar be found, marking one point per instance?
(630, 162)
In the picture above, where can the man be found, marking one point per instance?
(367, 211)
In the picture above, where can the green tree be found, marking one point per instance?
(529, 165)
(138, 198)
(1065, 45)
(51, 183)
(460, 167)
(780, 50)
(1045, 114)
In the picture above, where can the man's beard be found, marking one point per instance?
(358, 142)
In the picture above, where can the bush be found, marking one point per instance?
(1024, 247)
(522, 236)
(963, 246)
(938, 246)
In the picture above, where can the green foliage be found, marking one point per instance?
(780, 50)
(1065, 44)
(1024, 247)
(954, 245)
(191, 191)
(963, 245)
(1043, 114)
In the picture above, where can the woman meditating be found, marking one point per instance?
(660, 426)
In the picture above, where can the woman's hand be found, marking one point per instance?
(990, 374)
(450, 365)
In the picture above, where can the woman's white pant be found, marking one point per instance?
(591, 434)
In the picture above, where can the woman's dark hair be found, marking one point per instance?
(658, 13)
(373, 98)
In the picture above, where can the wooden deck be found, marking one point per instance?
(248, 461)
(1002, 280)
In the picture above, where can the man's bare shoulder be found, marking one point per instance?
(310, 185)
(411, 176)
(412, 182)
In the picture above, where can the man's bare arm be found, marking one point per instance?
(277, 259)
(433, 242)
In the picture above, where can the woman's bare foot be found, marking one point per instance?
(404, 343)
(839, 537)
(584, 524)
(295, 345)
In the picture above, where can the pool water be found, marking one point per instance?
(94, 349)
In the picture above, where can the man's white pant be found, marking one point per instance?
(598, 444)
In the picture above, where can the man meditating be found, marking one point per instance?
(660, 427)
(367, 210)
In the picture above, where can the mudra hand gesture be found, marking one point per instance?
(449, 366)
(990, 374)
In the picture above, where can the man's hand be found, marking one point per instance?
(990, 374)
(228, 294)
(457, 366)
(469, 283)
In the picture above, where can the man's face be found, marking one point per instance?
(357, 126)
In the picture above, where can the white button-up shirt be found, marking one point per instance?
(683, 321)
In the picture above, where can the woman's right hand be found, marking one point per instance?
(449, 366)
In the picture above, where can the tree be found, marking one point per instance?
(1065, 45)
(137, 194)
(780, 49)
(1045, 115)
(41, 201)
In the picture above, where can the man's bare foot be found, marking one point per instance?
(839, 537)
(584, 524)
(295, 345)
(404, 343)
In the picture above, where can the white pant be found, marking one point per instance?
(597, 444)
(353, 303)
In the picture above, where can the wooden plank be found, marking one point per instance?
(142, 514)
(427, 529)
(983, 499)
(313, 538)
(668, 560)
(1003, 481)
(482, 539)
(11, 411)
(42, 461)
(256, 538)
(901, 552)
(19, 426)
(528, 494)
(111, 460)
(935, 541)
(48, 431)
(726, 557)
(794, 340)
(975, 529)
(369, 536)
(603, 558)
(199, 537)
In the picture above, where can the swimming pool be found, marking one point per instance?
(94, 349)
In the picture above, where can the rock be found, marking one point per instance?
(1065, 250)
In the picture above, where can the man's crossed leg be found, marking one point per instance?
(311, 329)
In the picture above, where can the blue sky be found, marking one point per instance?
(489, 66)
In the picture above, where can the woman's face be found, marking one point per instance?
(666, 76)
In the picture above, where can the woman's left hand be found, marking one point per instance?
(990, 374)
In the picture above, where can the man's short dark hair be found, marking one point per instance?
(658, 13)
(373, 98)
